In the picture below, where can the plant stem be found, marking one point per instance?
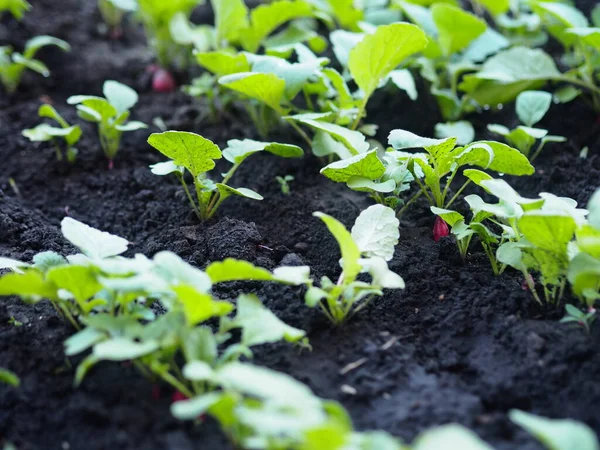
(538, 150)
(453, 199)
(302, 133)
(189, 196)
(410, 202)
(361, 111)
(424, 190)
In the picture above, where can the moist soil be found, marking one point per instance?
(457, 345)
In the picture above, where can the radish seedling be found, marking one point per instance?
(13, 64)
(366, 249)
(284, 183)
(44, 133)
(531, 107)
(8, 377)
(195, 154)
(110, 113)
(17, 8)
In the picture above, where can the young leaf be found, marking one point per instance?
(122, 97)
(31, 286)
(238, 150)
(462, 130)
(186, 149)
(457, 28)
(195, 407)
(232, 270)
(449, 437)
(231, 17)
(259, 325)
(381, 52)
(80, 281)
(123, 349)
(8, 377)
(264, 87)
(349, 249)
(556, 434)
(199, 307)
(366, 165)
(223, 63)
(376, 233)
(532, 106)
(92, 242)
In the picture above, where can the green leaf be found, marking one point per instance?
(176, 271)
(584, 273)
(260, 326)
(590, 36)
(365, 185)
(555, 434)
(404, 80)
(265, 19)
(80, 281)
(557, 17)
(532, 106)
(495, 7)
(82, 340)
(92, 242)
(31, 286)
(186, 149)
(13, 264)
(449, 216)
(402, 139)
(231, 17)
(238, 150)
(264, 384)
(227, 191)
(193, 408)
(199, 307)
(372, 59)
(476, 176)
(376, 233)
(122, 97)
(233, 270)
(44, 132)
(382, 276)
(349, 249)
(223, 63)
(366, 165)
(10, 378)
(505, 159)
(548, 232)
(123, 349)
(594, 208)
(449, 437)
(264, 87)
(462, 130)
(510, 72)
(33, 45)
(354, 141)
(457, 28)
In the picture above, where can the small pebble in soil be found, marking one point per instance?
(347, 389)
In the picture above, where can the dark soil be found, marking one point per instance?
(458, 345)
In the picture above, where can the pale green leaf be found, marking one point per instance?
(532, 106)
(123, 349)
(122, 97)
(449, 437)
(223, 63)
(372, 59)
(457, 28)
(195, 407)
(80, 281)
(232, 270)
(238, 150)
(8, 377)
(449, 216)
(264, 87)
(462, 130)
(376, 232)
(82, 340)
(92, 242)
(366, 165)
(198, 307)
(186, 149)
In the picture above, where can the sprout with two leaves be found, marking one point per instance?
(13, 64)
(366, 249)
(45, 132)
(531, 107)
(196, 154)
(111, 113)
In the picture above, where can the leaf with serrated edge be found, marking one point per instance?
(376, 232)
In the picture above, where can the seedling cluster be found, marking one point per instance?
(162, 313)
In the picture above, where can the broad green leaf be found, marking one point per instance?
(123, 349)
(31, 286)
(495, 7)
(364, 184)
(476, 176)
(166, 168)
(510, 253)
(376, 233)
(44, 132)
(8, 377)
(176, 271)
(264, 87)
(402, 139)
(487, 44)
(80, 281)
(590, 36)
(449, 437)
(186, 149)
(382, 276)
(584, 273)
(82, 340)
(294, 275)
(93, 109)
(199, 307)
(195, 407)
(232, 270)
(505, 159)
(260, 326)
(343, 42)
(506, 193)
(532, 106)
(556, 434)
(355, 141)
(404, 80)
(366, 165)
(548, 232)
(449, 216)
(198, 371)
(457, 28)
(264, 384)
(122, 97)
(324, 144)
(238, 150)
(507, 74)
(349, 249)
(227, 191)
(462, 130)
(50, 112)
(231, 17)
(223, 63)
(372, 59)
(13, 264)
(557, 17)
(264, 19)
(588, 240)
(92, 242)
(48, 260)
